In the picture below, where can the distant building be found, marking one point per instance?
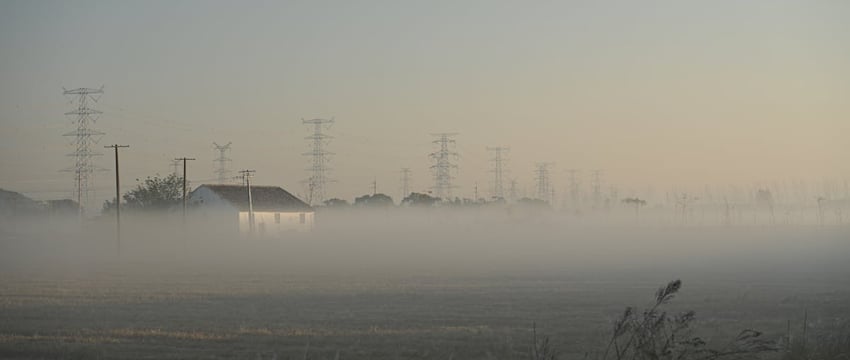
(62, 207)
(276, 211)
(14, 204)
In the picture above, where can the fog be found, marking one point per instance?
(495, 240)
(402, 282)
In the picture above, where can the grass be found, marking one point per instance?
(829, 342)
(141, 313)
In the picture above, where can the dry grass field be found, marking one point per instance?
(184, 313)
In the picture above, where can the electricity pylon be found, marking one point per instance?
(405, 183)
(443, 165)
(222, 171)
(498, 169)
(317, 182)
(543, 184)
(84, 138)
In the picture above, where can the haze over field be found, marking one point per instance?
(402, 283)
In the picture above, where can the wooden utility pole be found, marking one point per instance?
(117, 197)
(184, 160)
(79, 196)
(246, 174)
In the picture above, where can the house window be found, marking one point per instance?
(277, 218)
(302, 217)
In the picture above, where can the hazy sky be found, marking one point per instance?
(664, 93)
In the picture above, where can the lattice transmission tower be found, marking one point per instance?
(514, 192)
(175, 167)
(543, 183)
(443, 165)
(575, 189)
(405, 183)
(84, 137)
(498, 169)
(317, 182)
(596, 184)
(222, 162)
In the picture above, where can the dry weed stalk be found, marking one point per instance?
(654, 334)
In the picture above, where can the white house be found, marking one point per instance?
(275, 210)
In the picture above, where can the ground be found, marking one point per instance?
(182, 313)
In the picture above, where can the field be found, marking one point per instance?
(249, 304)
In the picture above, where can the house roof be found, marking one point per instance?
(16, 200)
(265, 198)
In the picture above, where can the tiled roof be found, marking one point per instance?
(265, 198)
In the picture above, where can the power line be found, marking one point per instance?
(84, 137)
(497, 160)
(222, 172)
(442, 165)
(317, 183)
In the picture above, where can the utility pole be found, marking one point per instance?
(498, 170)
(405, 183)
(184, 160)
(246, 174)
(442, 165)
(84, 116)
(374, 186)
(221, 162)
(117, 197)
(318, 180)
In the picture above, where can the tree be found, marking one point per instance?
(638, 203)
(533, 203)
(377, 200)
(418, 199)
(336, 203)
(155, 193)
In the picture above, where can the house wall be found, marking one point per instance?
(276, 223)
(222, 216)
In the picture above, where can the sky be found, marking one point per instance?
(658, 94)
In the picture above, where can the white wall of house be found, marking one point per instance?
(276, 223)
(209, 207)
